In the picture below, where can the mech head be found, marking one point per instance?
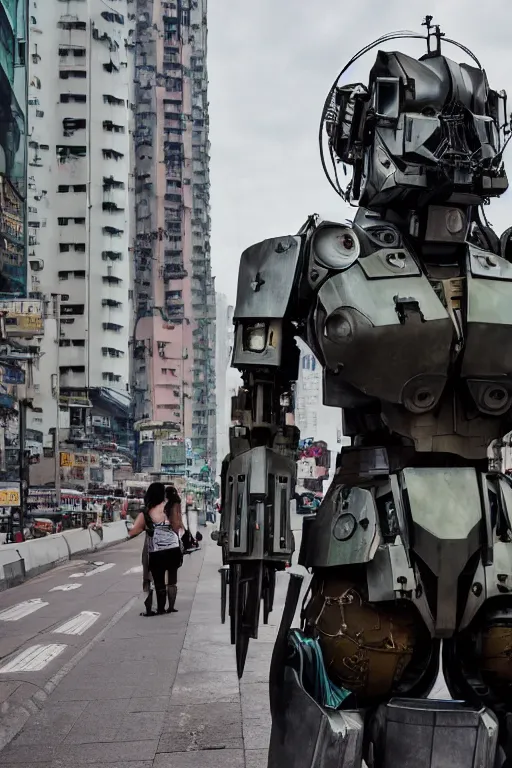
(423, 131)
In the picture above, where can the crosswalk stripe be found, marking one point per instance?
(76, 575)
(21, 610)
(135, 569)
(65, 587)
(33, 659)
(100, 568)
(78, 625)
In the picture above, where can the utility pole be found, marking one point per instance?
(56, 298)
(23, 462)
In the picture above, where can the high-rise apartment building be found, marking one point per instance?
(224, 375)
(174, 333)
(13, 140)
(80, 206)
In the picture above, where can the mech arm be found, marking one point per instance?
(258, 476)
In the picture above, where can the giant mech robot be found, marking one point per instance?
(408, 308)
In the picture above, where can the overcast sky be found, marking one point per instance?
(271, 64)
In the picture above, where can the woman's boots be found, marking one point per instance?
(172, 591)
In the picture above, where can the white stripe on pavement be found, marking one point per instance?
(76, 575)
(78, 625)
(135, 569)
(100, 568)
(65, 587)
(21, 610)
(33, 659)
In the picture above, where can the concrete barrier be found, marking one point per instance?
(12, 567)
(114, 532)
(78, 541)
(29, 558)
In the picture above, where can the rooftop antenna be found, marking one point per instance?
(433, 30)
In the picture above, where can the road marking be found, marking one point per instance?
(76, 575)
(33, 659)
(21, 610)
(100, 562)
(100, 568)
(135, 569)
(78, 625)
(65, 587)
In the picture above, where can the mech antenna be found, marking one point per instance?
(433, 30)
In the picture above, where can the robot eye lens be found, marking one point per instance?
(454, 221)
(348, 242)
(344, 527)
(256, 338)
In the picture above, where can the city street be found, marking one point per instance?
(84, 679)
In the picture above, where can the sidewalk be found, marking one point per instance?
(159, 692)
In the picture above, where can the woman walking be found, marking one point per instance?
(161, 520)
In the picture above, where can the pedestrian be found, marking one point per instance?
(161, 519)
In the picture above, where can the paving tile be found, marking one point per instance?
(149, 704)
(204, 687)
(51, 725)
(63, 763)
(256, 733)
(222, 660)
(120, 752)
(256, 758)
(102, 734)
(219, 715)
(218, 758)
(94, 693)
(104, 708)
(146, 724)
(201, 738)
(14, 755)
(255, 699)
(7, 687)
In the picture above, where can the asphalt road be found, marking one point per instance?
(85, 680)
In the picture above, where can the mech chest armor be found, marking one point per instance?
(408, 308)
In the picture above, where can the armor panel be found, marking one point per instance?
(408, 311)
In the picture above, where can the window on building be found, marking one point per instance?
(110, 67)
(113, 100)
(111, 255)
(110, 207)
(63, 221)
(72, 343)
(72, 309)
(81, 25)
(112, 327)
(72, 74)
(72, 187)
(72, 124)
(65, 153)
(112, 231)
(111, 127)
(71, 369)
(168, 371)
(76, 51)
(111, 303)
(111, 154)
(73, 98)
(110, 183)
(111, 280)
(113, 17)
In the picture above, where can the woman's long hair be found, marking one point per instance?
(172, 497)
(154, 496)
